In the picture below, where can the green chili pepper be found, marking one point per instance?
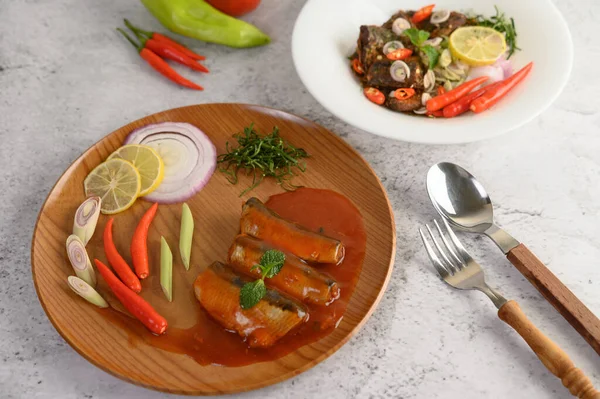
(199, 20)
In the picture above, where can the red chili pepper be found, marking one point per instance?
(135, 304)
(453, 95)
(165, 50)
(404, 94)
(161, 65)
(463, 104)
(357, 66)
(162, 38)
(399, 54)
(374, 95)
(139, 245)
(117, 262)
(492, 96)
(440, 90)
(422, 14)
(438, 114)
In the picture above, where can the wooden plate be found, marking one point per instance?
(333, 165)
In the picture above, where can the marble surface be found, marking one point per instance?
(67, 79)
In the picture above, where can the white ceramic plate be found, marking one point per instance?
(325, 35)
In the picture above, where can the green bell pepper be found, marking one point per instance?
(199, 20)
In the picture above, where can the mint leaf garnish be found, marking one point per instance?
(252, 293)
(270, 264)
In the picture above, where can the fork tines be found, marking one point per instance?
(453, 256)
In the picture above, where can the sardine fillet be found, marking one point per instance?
(296, 278)
(259, 221)
(218, 291)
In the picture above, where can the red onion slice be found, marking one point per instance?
(189, 156)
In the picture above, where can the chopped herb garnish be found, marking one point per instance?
(270, 264)
(262, 156)
(502, 24)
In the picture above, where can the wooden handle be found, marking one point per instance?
(555, 292)
(554, 358)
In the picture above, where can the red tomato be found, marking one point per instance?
(374, 95)
(404, 94)
(422, 14)
(356, 65)
(235, 8)
(400, 54)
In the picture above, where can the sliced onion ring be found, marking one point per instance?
(80, 260)
(439, 16)
(190, 158)
(86, 218)
(392, 46)
(420, 111)
(399, 71)
(400, 25)
(424, 98)
(429, 80)
(436, 41)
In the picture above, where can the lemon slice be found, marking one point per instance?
(147, 162)
(477, 45)
(117, 182)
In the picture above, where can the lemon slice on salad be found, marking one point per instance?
(147, 161)
(477, 45)
(117, 182)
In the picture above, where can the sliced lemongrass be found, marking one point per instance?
(166, 269)
(86, 218)
(185, 235)
(85, 291)
(80, 260)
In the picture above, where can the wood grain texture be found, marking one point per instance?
(551, 355)
(333, 165)
(555, 292)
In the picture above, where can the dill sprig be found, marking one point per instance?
(261, 157)
(502, 24)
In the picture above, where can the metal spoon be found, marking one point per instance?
(463, 202)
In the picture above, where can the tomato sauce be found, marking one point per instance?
(207, 342)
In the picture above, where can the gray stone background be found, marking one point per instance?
(67, 79)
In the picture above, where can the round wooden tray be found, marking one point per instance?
(333, 165)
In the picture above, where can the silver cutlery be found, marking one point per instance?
(459, 270)
(461, 200)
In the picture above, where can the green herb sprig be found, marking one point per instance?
(261, 157)
(502, 24)
(418, 38)
(270, 264)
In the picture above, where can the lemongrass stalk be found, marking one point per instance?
(166, 269)
(85, 291)
(80, 260)
(86, 218)
(185, 235)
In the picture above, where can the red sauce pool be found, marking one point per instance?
(207, 342)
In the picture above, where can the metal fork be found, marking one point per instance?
(457, 268)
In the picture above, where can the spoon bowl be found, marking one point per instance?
(461, 200)
(459, 197)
